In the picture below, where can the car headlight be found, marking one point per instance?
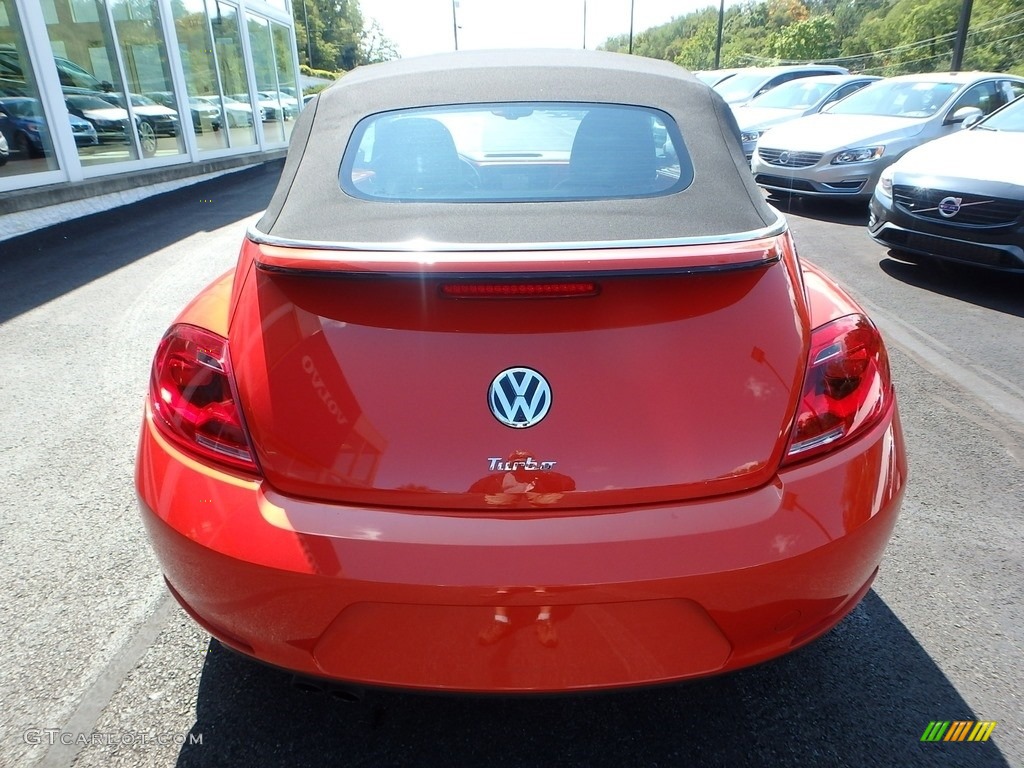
(748, 136)
(884, 187)
(858, 155)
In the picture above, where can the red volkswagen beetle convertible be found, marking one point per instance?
(519, 385)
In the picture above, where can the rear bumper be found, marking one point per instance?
(470, 602)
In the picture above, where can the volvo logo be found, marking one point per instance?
(519, 397)
(949, 206)
(784, 158)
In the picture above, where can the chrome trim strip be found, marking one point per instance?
(462, 271)
(425, 246)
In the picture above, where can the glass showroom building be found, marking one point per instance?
(90, 88)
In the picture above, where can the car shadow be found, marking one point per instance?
(40, 266)
(999, 291)
(842, 212)
(862, 695)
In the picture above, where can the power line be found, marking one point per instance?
(943, 55)
(947, 37)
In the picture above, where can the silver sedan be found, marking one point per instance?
(792, 100)
(840, 153)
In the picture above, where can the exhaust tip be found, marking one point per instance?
(346, 693)
(306, 685)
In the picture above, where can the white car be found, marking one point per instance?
(272, 107)
(840, 153)
(237, 114)
(713, 77)
(751, 82)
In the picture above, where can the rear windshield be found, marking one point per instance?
(515, 152)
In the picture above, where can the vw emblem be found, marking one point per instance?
(519, 397)
(949, 206)
(784, 158)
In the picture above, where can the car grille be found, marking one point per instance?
(789, 159)
(977, 253)
(975, 210)
(784, 182)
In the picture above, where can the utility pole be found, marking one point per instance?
(584, 25)
(309, 37)
(718, 44)
(455, 23)
(961, 35)
(631, 4)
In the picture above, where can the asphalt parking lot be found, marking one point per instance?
(101, 668)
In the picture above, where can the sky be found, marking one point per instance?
(425, 26)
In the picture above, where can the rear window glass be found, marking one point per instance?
(515, 152)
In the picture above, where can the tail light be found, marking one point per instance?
(193, 397)
(539, 290)
(847, 387)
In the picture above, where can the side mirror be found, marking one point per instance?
(963, 114)
(971, 120)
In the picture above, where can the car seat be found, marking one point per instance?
(613, 153)
(415, 157)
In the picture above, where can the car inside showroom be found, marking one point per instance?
(91, 88)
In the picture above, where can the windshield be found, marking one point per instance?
(905, 98)
(527, 151)
(23, 107)
(798, 94)
(89, 102)
(741, 86)
(713, 76)
(1010, 118)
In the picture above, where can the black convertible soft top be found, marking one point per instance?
(310, 207)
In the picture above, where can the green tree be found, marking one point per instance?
(885, 37)
(376, 46)
(812, 39)
(330, 35)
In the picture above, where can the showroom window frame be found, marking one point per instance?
(270, 14)
(34, 30)
(30, 17)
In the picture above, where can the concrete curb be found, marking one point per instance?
(28, 210)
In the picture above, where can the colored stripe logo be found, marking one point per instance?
(958, 730)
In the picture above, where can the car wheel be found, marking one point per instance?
(24, 147)
(147, 137)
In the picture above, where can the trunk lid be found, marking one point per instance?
(365, 379)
